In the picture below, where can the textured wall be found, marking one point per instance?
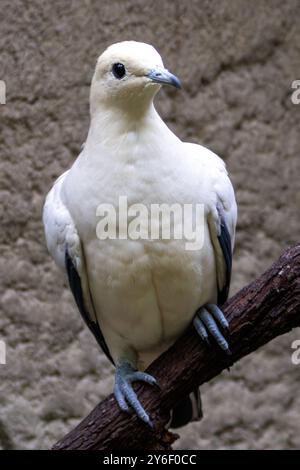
(237, 60)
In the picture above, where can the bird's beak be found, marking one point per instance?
(163, 76)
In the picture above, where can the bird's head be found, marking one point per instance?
(129, 74)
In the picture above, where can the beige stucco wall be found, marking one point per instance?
(237, 60)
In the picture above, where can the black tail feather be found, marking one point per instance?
(187, 410)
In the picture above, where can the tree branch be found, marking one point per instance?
(266, 308)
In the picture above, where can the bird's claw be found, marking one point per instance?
(124, 393)
(206, 321)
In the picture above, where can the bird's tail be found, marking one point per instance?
(187, 410)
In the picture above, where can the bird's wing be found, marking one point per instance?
(222, 222)
(217, 192)
(65, 246)
(222, 243)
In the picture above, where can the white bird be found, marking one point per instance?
(138, 296)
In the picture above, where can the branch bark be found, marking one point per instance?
(266, 308)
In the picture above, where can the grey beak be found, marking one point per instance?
(163, 76)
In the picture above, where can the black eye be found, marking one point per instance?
(118, 70)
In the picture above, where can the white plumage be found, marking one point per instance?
(142, 293)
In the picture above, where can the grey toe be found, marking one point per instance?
(213, 328)
(218, 315)
(205, 321)
(124, 393)
(201, 330)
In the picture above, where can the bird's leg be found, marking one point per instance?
(207, 321)
(125, 375)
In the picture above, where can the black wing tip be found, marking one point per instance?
(225, 243)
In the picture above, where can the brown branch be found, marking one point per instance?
(267, 308)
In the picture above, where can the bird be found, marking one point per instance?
(137, 296)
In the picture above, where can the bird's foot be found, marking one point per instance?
(126, 374)
(206, 322)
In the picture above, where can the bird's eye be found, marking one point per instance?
(118, 70)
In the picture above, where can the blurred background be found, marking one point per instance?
(237, 60)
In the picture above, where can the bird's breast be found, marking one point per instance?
(147, 292)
